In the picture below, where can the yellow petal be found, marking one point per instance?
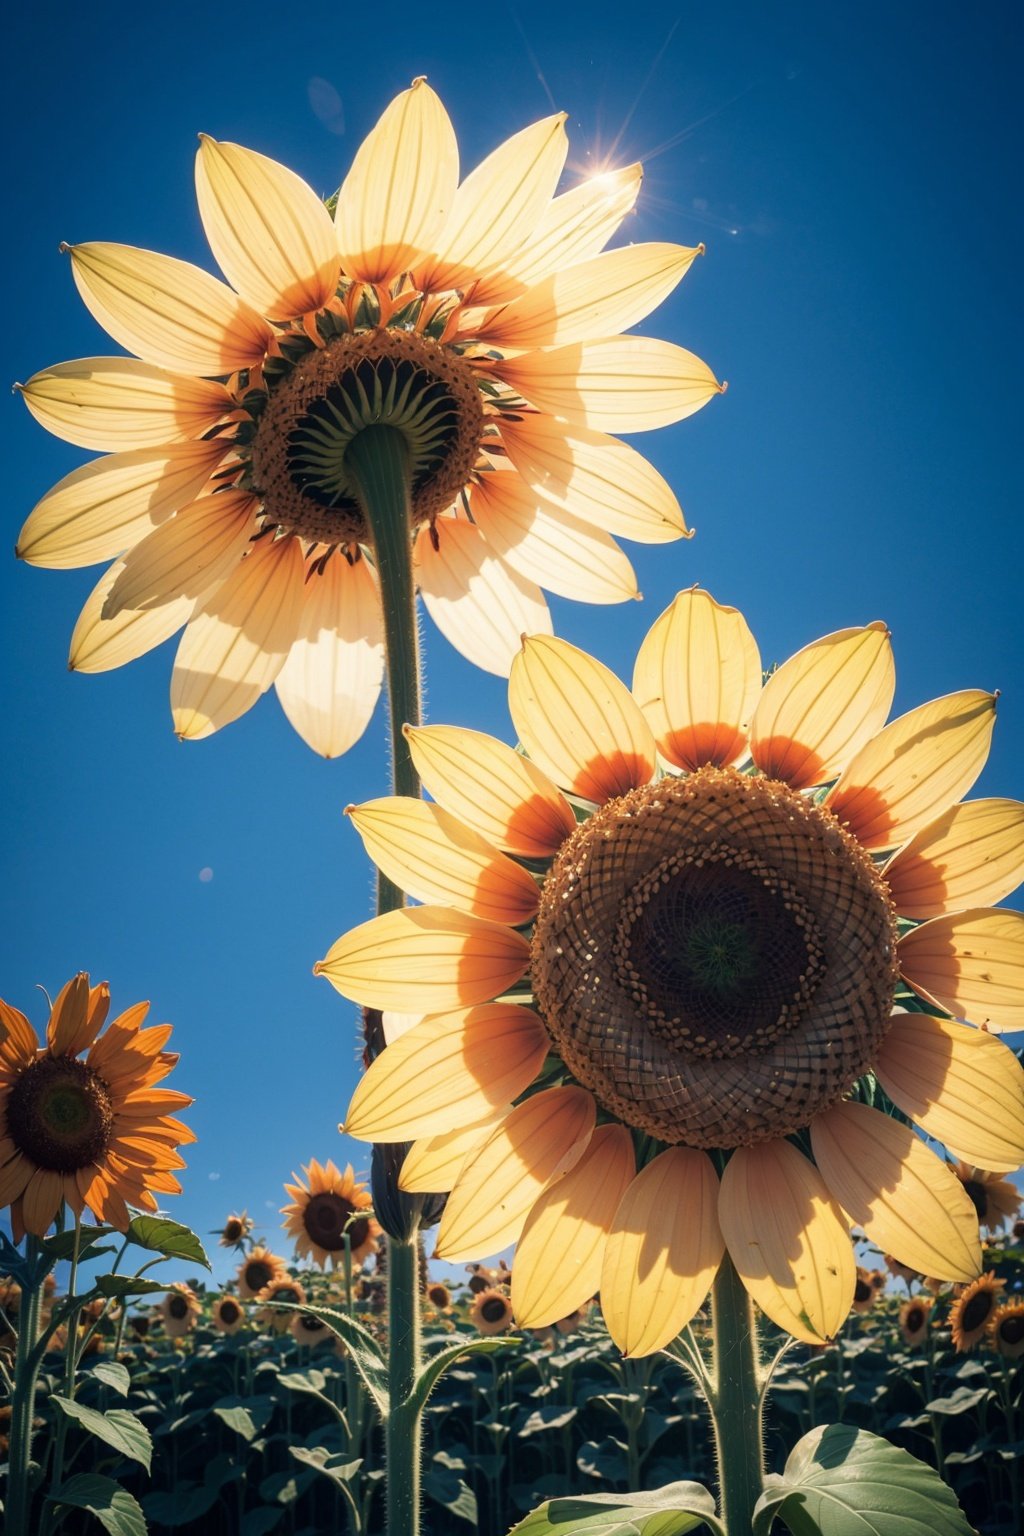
(68, 1031)
(593, 476)
(822, 705)
(697, 678)
(578, 722)
(270, 233)
(972, 856)
(479, 604)
(395, 1024)
(17, 1035)
(452, 1069)
(540, 1141)
(549, 545)
(167, 311)
(914, 769)
(908, 1203)
(970, 963)
(43, 1198)
(100, 644)
(663, 1251)
(186, 554)
(430, 855)
(491, 788)
(331, 681)
(558, 1259)
(621, 384)
(788, 1240)
(574, 226)
(959, 1084)
(118, 403)
(433, 1164)
(400, 188)
(235, 646)
(431, 958)
(497, 206)
(105, 507)
(595, 298)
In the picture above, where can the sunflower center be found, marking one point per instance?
(326, 1220)
(978, 1196)
(310, 1324)
(425, 395)
(1011, 1329)
(862, 1291)
(915, 1318)
(493, 1309)
(258, 1274)
(233, 1230)
(177, 1307)
(60, 1114)
(715, 958)
(230, 1312)
(976, 1311)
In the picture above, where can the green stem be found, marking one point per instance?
(403, 1426)
(736, 1401)
(23, 1401)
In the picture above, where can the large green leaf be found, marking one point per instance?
(116, 1427)
(129, 1285)
(311, 1384)
(669, 1511)
(436, 1366)
(112, 1505)
(841, 1481)
(248, 1416)
(62, 1244)
(112, 1375)
(449, 1490)
(331, 1463)
(161, 1235)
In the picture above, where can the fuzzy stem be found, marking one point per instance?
(739, 1439)
(23, 1401)
(403, 1428)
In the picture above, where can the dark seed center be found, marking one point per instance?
(59, 1113)
(976, 1311)
(177, 1307)
(326, 1219)
(1011, 1329)
(978, 1196)
(230, 1312)
(258, 1274)
(493, 1310)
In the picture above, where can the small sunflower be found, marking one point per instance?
(235, 1230)
(258, 1270)
(972, 1311)
(92, 1132)
(491, 1312)
(575, 1320)
(283, 1291)
(228, 1316)
(865, 1291)
(996, 1200)
(179, 1310)
(439, 1297)
(308, 1330)
(481, 1278)
(915, 1318)
(471, 333)
(712, 910)
(1006, 1330)
(326, 1210)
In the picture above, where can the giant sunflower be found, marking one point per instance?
(92, 1131)
(322, 1212)
(670, 955)
(471, 328)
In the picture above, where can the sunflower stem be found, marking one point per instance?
(737, 1401)
(403, 1426)
(23, 1401)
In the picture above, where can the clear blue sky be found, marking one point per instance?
(851, 169)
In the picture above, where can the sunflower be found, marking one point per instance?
(713, 944)
(973, 1310)
(258, 1270)
(1006, 1330)
(323, 1212)
(235, 1230)
(439, 1297)
(481, 1278)
(179, 1310)
(476, 329)
(575, 1320)
(995, 1199)
(915, 1317)
(282, 1290)
(865, 1291)
(308, 1330)
(93, 1132)
(491, 1312)
(228, 1316)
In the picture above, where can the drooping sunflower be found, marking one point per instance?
(228, 1314)
(284, 1291)
(258, 1270)
(865, 1292)
(491, 1312)
(915, 1318)
(667, 957)
(325, 1210)
(93, 1131)
(179, 1310)
(996, 1200)
(235, 1230)
(973, 1310)
(1006, 1330)
(471, 333)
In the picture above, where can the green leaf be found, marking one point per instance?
(448, 1489)
(259, 1521)
(668, 1511)
(330, 1463)
(113, 1375)
(436, 1366)
(248, 1417)
(161, 1235)
(961, 1400)
(310, 1384)
(116, 1427)
(187, 1502)
(62, 1244)
(128, 1285)
(367, 1355)
(848, 1482)
(112, 1505)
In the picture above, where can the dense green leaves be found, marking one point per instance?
(114, 1507)
(161, 1235)
(116, 1427)
(436, 1366)
(366, 1353)
(669, 1511)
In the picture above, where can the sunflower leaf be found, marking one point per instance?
(117, 1427)
(435, 1367)
(62, 1244)
(161, 1235)
(114, 1507)
(129, 1285)
(852, 1483)
(367, 1355)
(669, 1511)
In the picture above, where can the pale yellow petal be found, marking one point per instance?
(558, 1259)
(697, 679)
(401, 187)
(788, 1240)
(433, 1164)
(619, 384)
(450, 1070)
(915, 768)
(491, 788)
(959, 1084)
(663, 1251)
(99, 644)
(822, 704)
(497, 206)
(108, 505)
(578, 722)
(971, 856)
(431, 958)
(970, 963)
(167, 311)
(480, 606)
(593, 476)
(271, 235)
(432, 856)
(235, 646)
(548, 545)
(541, 1140)
(118, 403)
(331, 681)
(187, 554)
(907, 1201)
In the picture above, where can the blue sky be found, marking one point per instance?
(850, 170)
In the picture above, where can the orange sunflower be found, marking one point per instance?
(996, 1200)
(915, 1318)
(92, 1132)
(282, 1290)
(663, 952)
(179, 1310)
(491, 1312)
(227, 1315)
(258, 1270)
(973, 1311)
(323, 1212)
(235, 1230)
(473, 331)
